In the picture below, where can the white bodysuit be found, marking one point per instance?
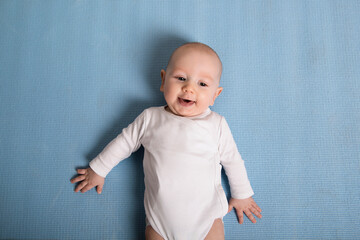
(182, 166)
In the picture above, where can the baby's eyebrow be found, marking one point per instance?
(206, 76)
(203, 75)
(178, 70)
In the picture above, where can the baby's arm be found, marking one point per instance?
(247, 206)
(240, 187)
(88, 179)
(118, 149)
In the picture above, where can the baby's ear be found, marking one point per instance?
(217, 93)
(162, 73)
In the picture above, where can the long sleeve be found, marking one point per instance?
(233, 164)
(120, 148)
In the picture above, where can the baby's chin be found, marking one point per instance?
(184, 113)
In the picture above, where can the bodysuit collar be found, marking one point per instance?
(200, 116)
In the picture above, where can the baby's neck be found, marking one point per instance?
(203, 114)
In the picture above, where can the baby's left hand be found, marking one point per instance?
(246, 206)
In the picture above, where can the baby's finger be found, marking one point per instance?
(256, 207)
(81, 171)
(230, 208)
(99, 189)
(87, 188)
(240, 215)
(250, 216)
(78, 179)
(256, 212)
(80, 186)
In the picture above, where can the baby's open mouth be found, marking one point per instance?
(185, 102)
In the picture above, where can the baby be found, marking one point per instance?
(186, 145)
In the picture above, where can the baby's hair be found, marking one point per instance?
(200, 46)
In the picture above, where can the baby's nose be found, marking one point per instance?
(188, 87)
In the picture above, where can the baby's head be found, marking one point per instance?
(191, 80)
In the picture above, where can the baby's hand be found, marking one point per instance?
(88, 179)
(247, 206)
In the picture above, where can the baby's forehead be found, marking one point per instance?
(190, 49)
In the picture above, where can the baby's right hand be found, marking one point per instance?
(88, 179)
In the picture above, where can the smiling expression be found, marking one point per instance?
(191, 80)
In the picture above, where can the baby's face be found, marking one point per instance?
(191, 81)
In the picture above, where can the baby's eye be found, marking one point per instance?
(181, 78)
(203, 84)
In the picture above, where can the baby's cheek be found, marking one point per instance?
(211, 98)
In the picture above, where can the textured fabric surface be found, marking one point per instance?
(74, 73)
